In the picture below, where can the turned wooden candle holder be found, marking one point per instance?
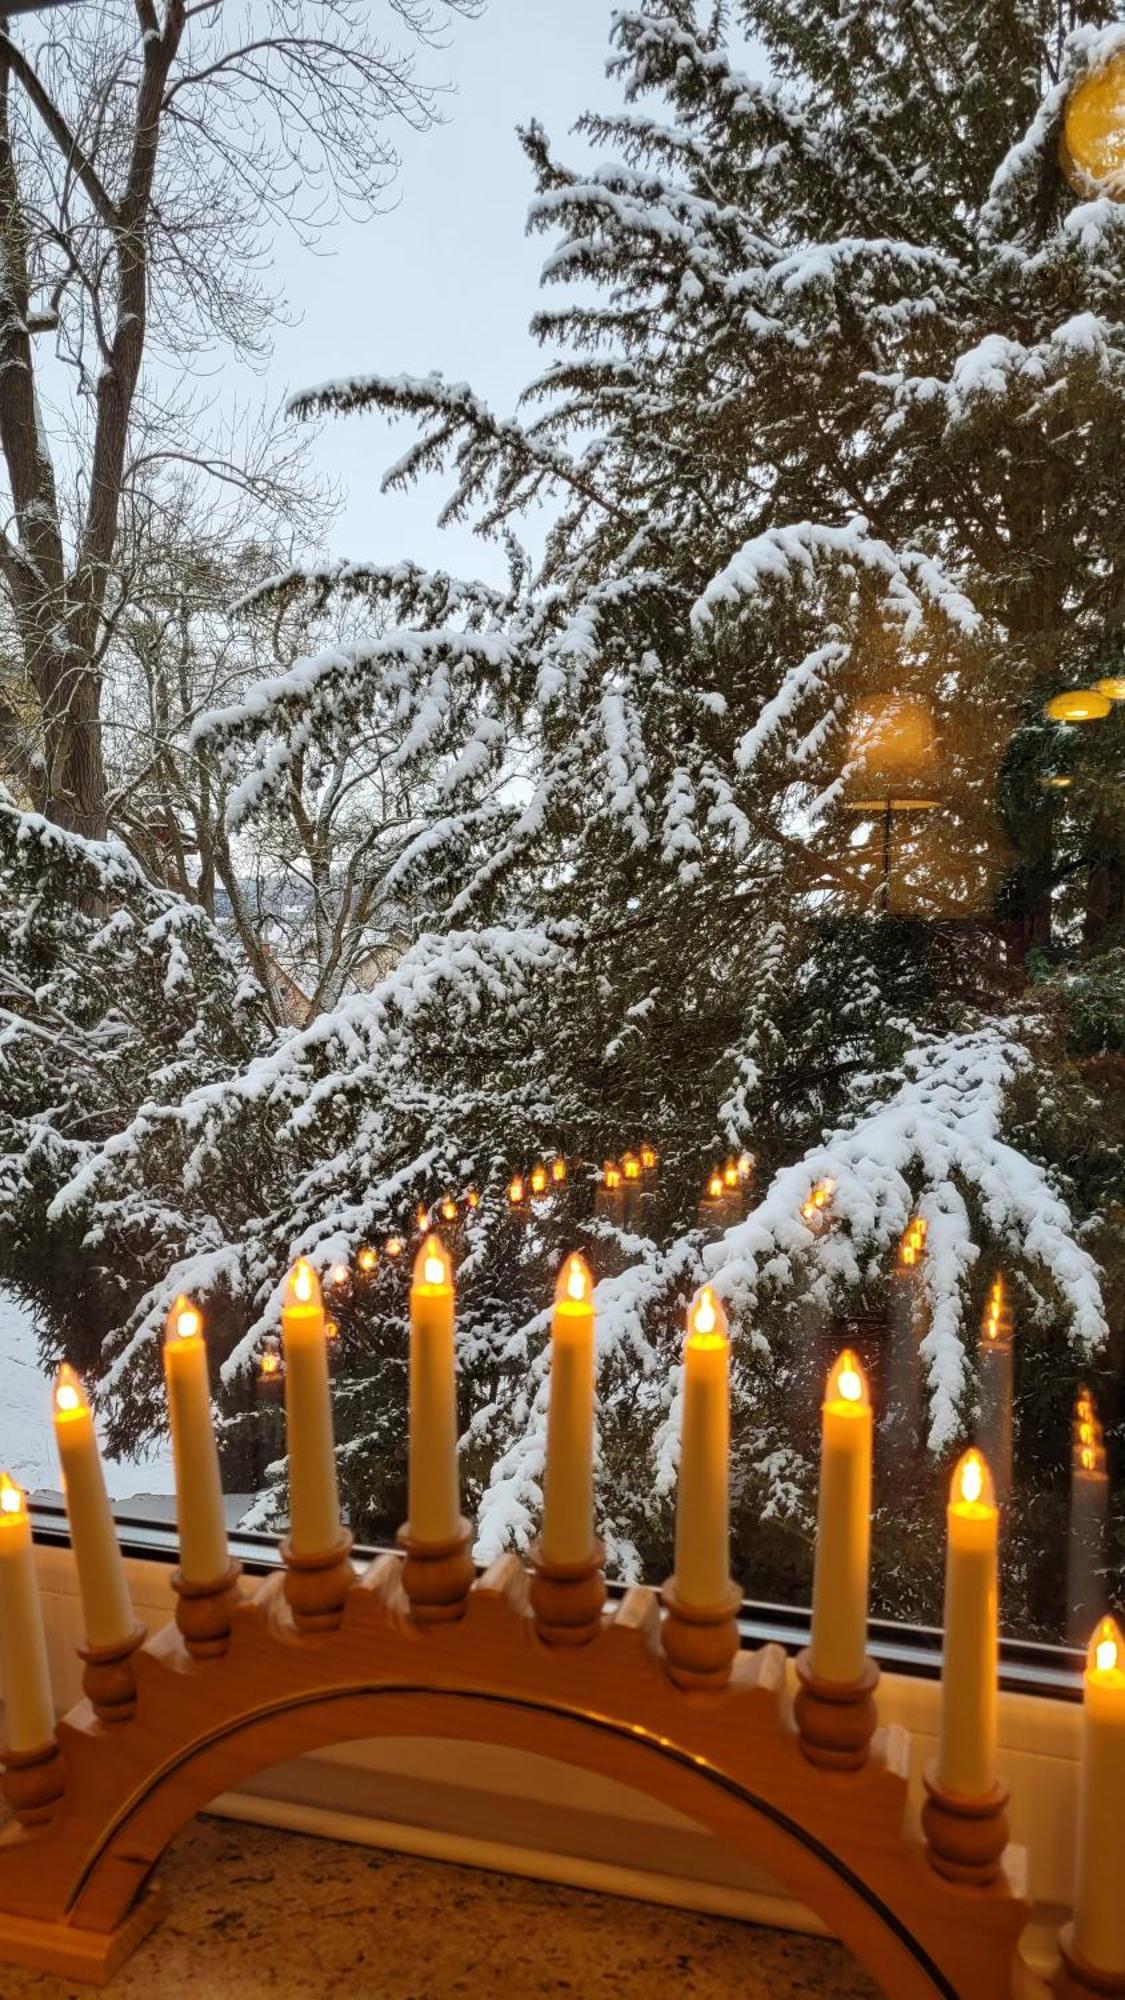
(203, 1612)
(437, 1576)
(33, 1782)
(700, 1642)
(317, 1585)
(835, 1719)
(567, 1598)
(965, 1838)
(709, 1737)
(1076, 1979)
(108, 1678)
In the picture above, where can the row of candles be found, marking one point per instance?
(966, 1764)
(994, 1430)
(616, 1178)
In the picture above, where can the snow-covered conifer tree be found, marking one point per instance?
(747, 837)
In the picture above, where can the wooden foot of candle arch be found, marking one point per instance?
(75, 1893)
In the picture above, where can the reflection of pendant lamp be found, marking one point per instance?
(1092, 144)
(892, 759)
(1112, 686)
(1078, 705)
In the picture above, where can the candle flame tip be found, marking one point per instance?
(707, 1326)
(11, 1495)
(1106, 1647)
(847, 1382)
(431, 1266)
(575, 1281)
(68, 1389)
(972, 1480)
(303, 1284)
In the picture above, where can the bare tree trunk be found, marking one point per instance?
(59, 616)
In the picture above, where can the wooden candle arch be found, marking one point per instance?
(75, 1894)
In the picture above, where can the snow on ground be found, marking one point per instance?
(27, 1446)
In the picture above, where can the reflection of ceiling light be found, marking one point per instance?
(1056, 784)
(1112, 686)
(1077, 705)
(1090, 149)
(892, 751)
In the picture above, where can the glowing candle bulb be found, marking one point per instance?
(838, 1650)
(648, 1158)
(1099, 1905)
(434, 1500)
(745, 1166)
(702, 1572)
(435, 1264)
(393, 1247)
(611, 1176)
(967, 1741)
(106, 1607)
(715, 1187)
(516, 1190)
(448, 1209)
(314, 1504)
(473, 1198)
(539, 1180)
(558, 1171)
(366, 1261)
(29, 1715)
(731, 1176)
(421, 1218)
(630, 1167)
(200, 1514)
(568, 1474)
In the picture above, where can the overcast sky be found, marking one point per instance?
(448, 279)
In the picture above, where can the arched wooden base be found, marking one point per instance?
(74, 1894)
